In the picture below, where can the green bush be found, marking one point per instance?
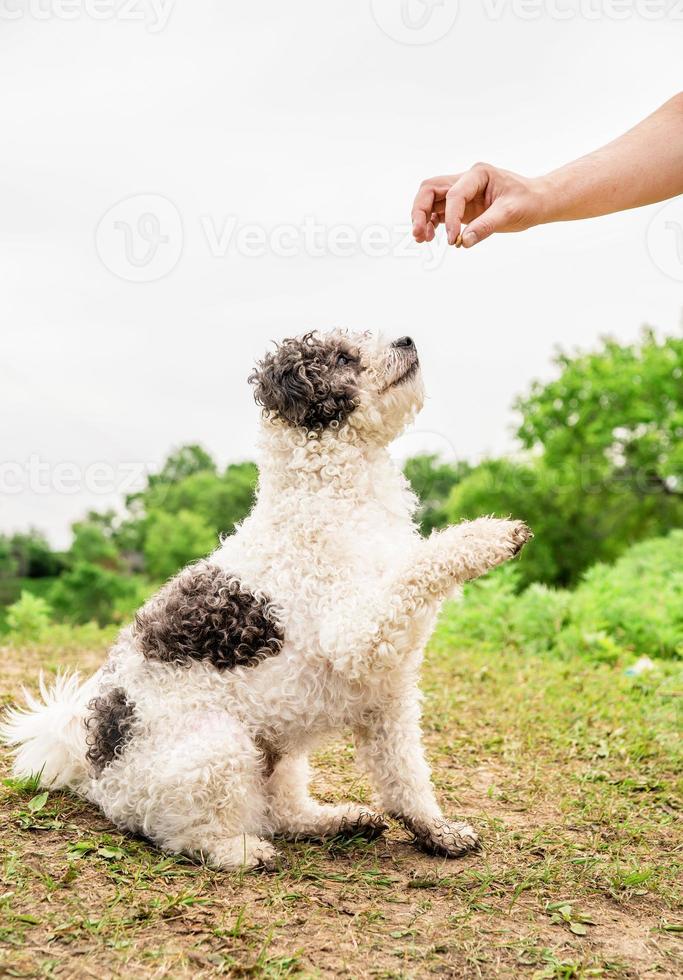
(538, 615)
(28, 618)
(637, 602)
(631, 608)
(90, 593)
(483, 617)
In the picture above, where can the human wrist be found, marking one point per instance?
(549, 197)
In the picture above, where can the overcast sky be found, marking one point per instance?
(266, 156)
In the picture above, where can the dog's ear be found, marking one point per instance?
(281, 384)
(303, 382)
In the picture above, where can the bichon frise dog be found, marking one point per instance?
(310, 619)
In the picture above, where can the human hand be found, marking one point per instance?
(485, 198)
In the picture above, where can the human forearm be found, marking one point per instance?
(643, 166)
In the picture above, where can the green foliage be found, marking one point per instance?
(176, 519)
(637, 602)
(221, 501)
(28, 555)
(28, 618)
(605, 464)
(89, 592)
(8, 563)
(173, 540)
(632, 608)
(611, 431)
(93, 543)
(432, 481)
(617, 413)
(184, 510)
(526, 491)
(181, 463)
(537, 615)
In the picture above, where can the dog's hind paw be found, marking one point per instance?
(360, 822)
(439, 836)
(344, 820)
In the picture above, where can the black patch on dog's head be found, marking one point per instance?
(308, 381)
(109, 726)
(204, 614)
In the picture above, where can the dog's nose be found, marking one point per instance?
(403, 342)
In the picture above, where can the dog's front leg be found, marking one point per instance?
(390, 750)
(462, 552)
(386, 627)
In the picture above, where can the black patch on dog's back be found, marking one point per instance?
(109, 727)
(204, 614)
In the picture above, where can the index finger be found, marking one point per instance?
(430, 191)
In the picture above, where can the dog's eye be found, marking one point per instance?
(343, 360)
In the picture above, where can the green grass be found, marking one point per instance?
(570, 770)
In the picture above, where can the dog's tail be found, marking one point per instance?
(48, 735)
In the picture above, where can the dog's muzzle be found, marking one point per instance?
(405, 361)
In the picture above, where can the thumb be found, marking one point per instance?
(493, 219)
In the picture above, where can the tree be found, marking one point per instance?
(33, 556)
(183, 462)
(8, 563)
(617, 415)
(221, 501)
(526, 491)
(605, 459)
(173, 540)
(612, 423)
(188, 481)
(93, 543)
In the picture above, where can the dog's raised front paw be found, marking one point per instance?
(439, 836)
(520, 533)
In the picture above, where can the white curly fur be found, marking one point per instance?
(216, 763)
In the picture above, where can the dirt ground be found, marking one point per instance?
(569, 772)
